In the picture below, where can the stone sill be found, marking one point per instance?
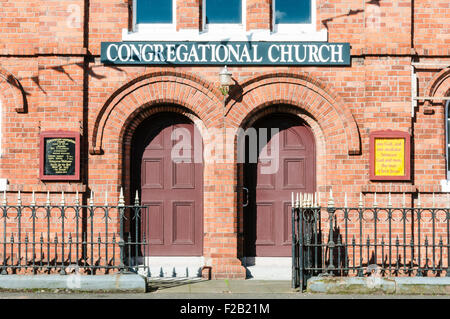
(381, 285)
(98, 283)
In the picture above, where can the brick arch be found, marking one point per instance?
(302, 91)
(319, 136)
(12, 92)
(132, 123)
(154, 107)
(163, 87)
(439, 86)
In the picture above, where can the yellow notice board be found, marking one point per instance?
(389, 156)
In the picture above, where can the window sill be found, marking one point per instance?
(445, 186)
(3, 184)
(224, 35)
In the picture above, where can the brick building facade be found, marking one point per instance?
(51, 78)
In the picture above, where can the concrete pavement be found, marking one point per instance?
(207, 289)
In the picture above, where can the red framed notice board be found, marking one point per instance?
(59, 156)
(390, 155)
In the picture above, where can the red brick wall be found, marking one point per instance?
(53, 54)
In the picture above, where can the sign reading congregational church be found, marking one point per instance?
(230, 53)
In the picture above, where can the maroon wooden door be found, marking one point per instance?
(267, 218)
(172, 188)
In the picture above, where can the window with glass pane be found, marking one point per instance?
(223, 11)
(292, 11)
(154, 11)
(447, 133)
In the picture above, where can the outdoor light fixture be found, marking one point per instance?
(225, 80)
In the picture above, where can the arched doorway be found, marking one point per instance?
(285, 164)
(169, 178)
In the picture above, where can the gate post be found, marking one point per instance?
(331, 244)
(121, 206)
(300, 244)
(294, 242)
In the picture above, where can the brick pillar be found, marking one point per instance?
(220, 213)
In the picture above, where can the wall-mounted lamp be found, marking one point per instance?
(225, 80)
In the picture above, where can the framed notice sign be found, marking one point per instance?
(390, 155)
(60, 156)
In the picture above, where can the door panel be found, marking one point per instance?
(173, 189)
(265, 232)
(153, 173)
(154, 220)
(183, 175)
(183, 223)
(294, 173)
(267, 227)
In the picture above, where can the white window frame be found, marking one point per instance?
(155, 27)
(228, 28)
(224, 31)
(290, 28)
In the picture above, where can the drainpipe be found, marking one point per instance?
(413, 89)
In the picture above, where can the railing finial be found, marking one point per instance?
(121, 198)
(389, 200)
(33, 199)
(91, 199)
(136, 199)
(19, 199)
(297, 203)
(47, 203)
(292, 200)
(375, 204)
(361, 203)
(418, 200)
(433, 201)
(63, 202)
(331, 200)
(404, 200)
(315, 200)
(345, 199)
(4, 203)
(77, 201)
(300, 200)
(106, 198)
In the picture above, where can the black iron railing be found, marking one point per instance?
(363, 241)
(65, 238)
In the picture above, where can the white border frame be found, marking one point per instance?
(225, 27)
(293, 28)
(155, 27)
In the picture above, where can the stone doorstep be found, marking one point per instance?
(268, 268)
(371, 285)
(104, 283)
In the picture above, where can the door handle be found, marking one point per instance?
(246, 197)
